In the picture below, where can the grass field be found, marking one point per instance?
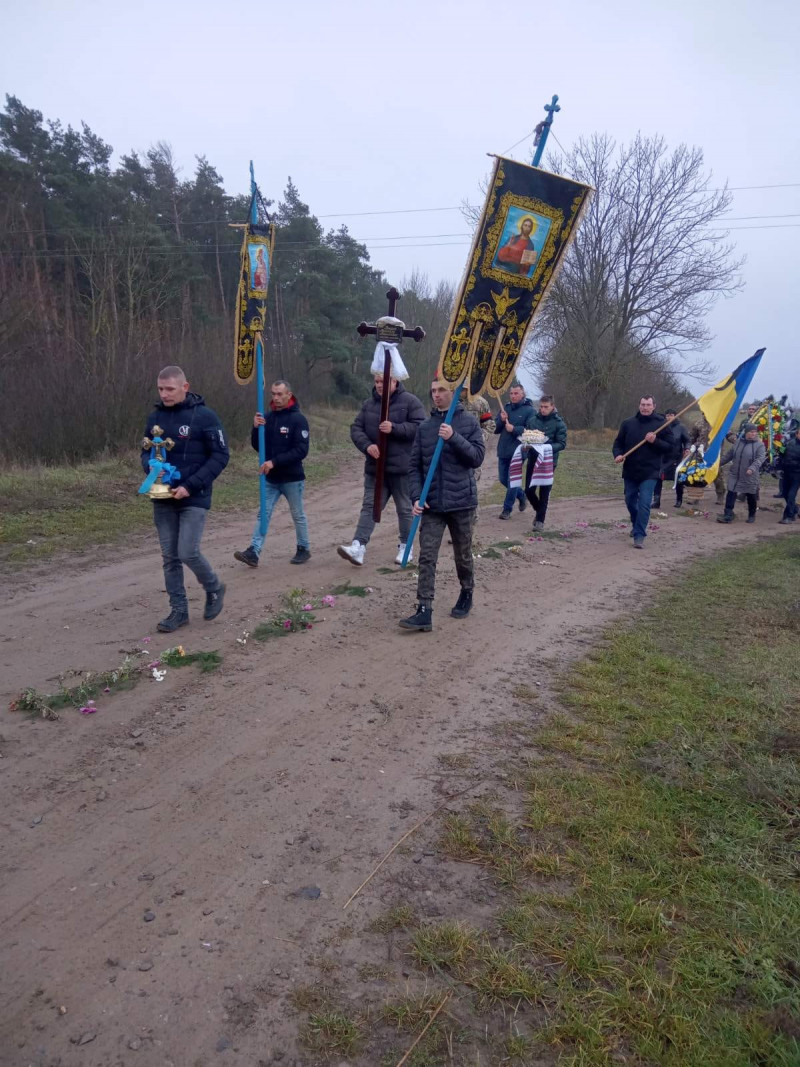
(49, 510)
(646, 867)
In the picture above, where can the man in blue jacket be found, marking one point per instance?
(286, 439)
(642, 468)
(513, 418)
(200, 454)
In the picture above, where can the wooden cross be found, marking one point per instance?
(392, 333)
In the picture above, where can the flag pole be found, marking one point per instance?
(262, 450)
(542, 131)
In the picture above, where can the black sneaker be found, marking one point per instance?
(463, 604)
(302, 555)
(727, 517)
(751, 518)
(173, 621)
(504, 514)
(421, 620)
(249, 556)
(522, 504)
(214, 602)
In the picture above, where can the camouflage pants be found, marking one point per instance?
(431, 531)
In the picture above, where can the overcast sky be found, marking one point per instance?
(377, 107)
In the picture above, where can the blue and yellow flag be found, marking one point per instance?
(720, 406)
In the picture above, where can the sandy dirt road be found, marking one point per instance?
(211, 801)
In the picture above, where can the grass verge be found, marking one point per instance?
(50, 510)
(647, 886)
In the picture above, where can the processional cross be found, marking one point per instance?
(388, 331)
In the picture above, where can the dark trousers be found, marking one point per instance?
(752, 502)
(666, 476)
(639, 499)
(179, 533)
(791, 485)
(538, 496)
(512, 495)
(431, 531)
(394, 486)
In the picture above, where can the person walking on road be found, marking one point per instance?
(452, 499)
(641, 469)
(550, 423)
(201, 455)
(405, 415)
(746, 459)
(286, 439)
(512, 419)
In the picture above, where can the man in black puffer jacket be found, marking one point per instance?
(200, 454)
(452, 498)
(790, 470)
(669, 463)
(641, 470)
(286, 441)
(511, 420)
(405, 415)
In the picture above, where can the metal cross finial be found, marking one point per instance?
(365, 329)
(543, 129)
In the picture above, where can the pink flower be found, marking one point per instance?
(287, 624)
(309, 625)
(89, 708)
(329, 601)
(145, 640)
(308, 607)
(107, 689)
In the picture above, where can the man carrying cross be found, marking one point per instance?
(399, 430)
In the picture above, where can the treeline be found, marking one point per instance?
(109, 273)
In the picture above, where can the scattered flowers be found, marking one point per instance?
(158, 675)
(308, 607)
(328, 601)
(287, 624)
(243, 639)
(88, 708)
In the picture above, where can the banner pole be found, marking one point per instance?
(543, 131)
(262, 448)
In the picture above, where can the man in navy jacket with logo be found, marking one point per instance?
(200, 454)
(286, 439)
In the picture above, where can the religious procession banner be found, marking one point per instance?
(251, 310)
(528, 221)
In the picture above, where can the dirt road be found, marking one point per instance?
(210, 801)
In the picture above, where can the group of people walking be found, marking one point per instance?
(527, 434)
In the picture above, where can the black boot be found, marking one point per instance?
(421, 620)
(463, 604)
(751, 517)
(302, 555)
(177, 617)
(249, 556)
(214, 602)
(727, 516)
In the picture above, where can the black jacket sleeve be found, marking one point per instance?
(620, 441)
(559, 442)
(358, 433)
(470, 446)
(217, 454)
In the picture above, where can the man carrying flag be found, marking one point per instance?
(641, 450)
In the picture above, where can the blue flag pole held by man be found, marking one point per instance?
(528, 221)
(256, 267)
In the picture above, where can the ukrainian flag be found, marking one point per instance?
(720, 406)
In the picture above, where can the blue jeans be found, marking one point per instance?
(179, 533)
(293, 491)
(638, 498)
(512, 495)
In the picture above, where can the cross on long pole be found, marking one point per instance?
(396, 333)
(543, 131)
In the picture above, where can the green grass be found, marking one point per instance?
(647, 879)
(67, 509)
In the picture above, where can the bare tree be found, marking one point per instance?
(644, 270)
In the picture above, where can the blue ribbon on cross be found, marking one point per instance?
(170, 473)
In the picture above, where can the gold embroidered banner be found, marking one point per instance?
(528, 221)
(251, 310)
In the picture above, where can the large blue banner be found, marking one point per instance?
(529, 218)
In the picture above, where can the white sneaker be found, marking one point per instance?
(401, 551)
(355, 552)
